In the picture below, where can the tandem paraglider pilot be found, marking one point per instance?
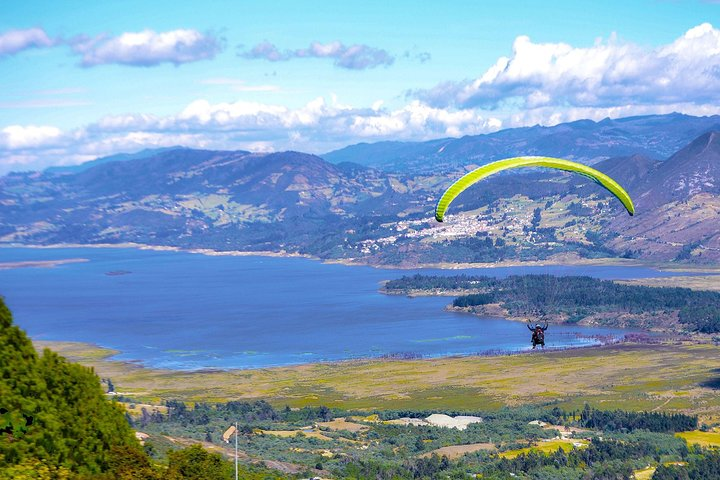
(538, 335)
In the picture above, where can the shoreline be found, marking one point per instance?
(87, 350)
(40, 263)
(564, 260)
(163, 248)
(642, 376)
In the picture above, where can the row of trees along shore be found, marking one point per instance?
(574, 296)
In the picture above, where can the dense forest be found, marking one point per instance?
(618, 420)
(572, 297)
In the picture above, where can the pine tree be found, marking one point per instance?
(68, 424)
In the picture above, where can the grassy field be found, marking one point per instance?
(645, 473)
(293, 433)
(700, 282)
(457, 451)
(704, 439)
(678, 377)
(544, 447)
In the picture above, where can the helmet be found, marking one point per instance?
(537, 325)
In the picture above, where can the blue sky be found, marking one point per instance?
(86, 79)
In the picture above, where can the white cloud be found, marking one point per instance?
(120, 123)
(147, 48)
(416, 120)
(14, 41)
(238, 115)
(605, 75)
(18, 137)
(321, 120)
(137, 140)
(318, 126)
(550, 115)
(538, 84)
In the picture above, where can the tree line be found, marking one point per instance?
(619, 420)
(575, 296)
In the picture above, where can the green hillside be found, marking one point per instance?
(56, 424)
(55, 412)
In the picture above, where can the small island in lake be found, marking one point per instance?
(116, 273)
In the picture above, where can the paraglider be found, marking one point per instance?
(557, 163)
(538, 335)
(538, 331)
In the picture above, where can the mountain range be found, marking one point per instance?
(379, 208)
(586, 141)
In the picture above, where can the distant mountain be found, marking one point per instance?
(678, 206)
(233, 200)
(692, 170)
(654, 136)
(148, 152)
(630, 171)
(300, 203)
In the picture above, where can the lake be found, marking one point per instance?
(189, 311)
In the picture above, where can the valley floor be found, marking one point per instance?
(682, 377)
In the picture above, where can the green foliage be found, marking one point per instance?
(628, 421)
(700, 467)
(671, 472)
(127, 463)
(196, 463)
(393, 451)
(705, 317)
(14, 424)
(429, 468)
(33, 469)
(573, 296)
(474, 299)
(56, 412)
(602, 459)
(537, 217)
(704, 466)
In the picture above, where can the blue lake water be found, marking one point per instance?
(189, 311)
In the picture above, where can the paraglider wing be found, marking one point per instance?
(558, 163)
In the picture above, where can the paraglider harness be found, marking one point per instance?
(538, 335)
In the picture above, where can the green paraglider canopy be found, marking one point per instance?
(558, 163)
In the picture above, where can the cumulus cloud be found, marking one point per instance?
(538, 84)
(318, 120)
(551, 115)
(318, 126)
(606, 74)
(352, 57)
(147, 48)
(14, 41)
(18, 137)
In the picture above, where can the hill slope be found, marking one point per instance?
(57, 412)
(300, 203)
(680, 205)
